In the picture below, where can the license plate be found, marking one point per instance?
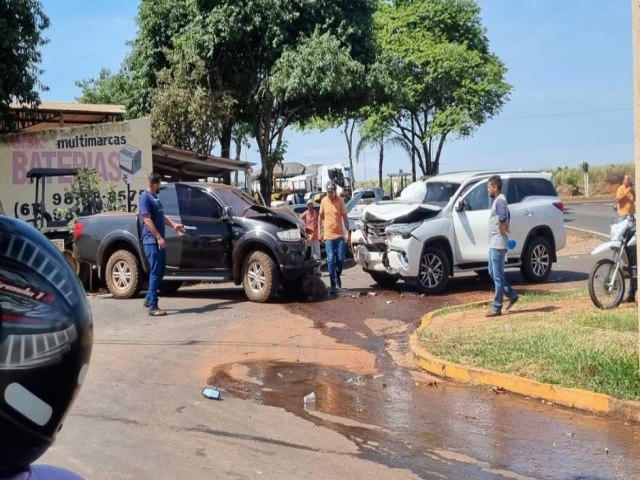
(59, 243)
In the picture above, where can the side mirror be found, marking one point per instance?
(227, 213)
(460, 204)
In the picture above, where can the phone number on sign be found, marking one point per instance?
(65, 200)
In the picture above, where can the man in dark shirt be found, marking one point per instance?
(153, 242)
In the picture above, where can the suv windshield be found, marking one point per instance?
(439, 193)
(239, 200)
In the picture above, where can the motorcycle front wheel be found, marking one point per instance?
(606, 289)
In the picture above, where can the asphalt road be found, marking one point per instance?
(590, 216)
(140, 413)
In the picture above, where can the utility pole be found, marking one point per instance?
(635, 34)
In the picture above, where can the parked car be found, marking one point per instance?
(229, 238)
(440, 225)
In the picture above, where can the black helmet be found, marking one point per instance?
(46, 333)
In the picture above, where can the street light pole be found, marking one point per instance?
(635, 19)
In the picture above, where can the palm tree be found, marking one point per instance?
(380, 139)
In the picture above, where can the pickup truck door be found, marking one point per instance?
(169, 200)
(206, 244)
(471, 225)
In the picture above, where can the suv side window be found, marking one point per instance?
(478, 198)
(514, 192)
(194, 203)
(169, 200)
(536, 187)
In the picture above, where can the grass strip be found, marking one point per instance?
(583, 348)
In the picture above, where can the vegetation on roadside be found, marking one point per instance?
(602, 178)
(582, 348)
(88, 199)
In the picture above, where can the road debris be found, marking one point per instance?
(498, 390)
(211, 393)
(389, 302)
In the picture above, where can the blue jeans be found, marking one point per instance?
(496, 270)
(335, 258)
(157, 258)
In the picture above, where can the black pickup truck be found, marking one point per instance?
(228, 237)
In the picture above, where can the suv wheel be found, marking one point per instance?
(433, 274)
(383, 279)
(260, 278)
(123, 274)
(536, 260)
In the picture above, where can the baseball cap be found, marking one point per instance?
(331, 187)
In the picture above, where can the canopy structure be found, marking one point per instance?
(183, 165)
(52, 115)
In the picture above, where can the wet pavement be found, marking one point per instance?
(403, 418)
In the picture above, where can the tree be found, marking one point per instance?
(21, 23)
(306, 64)
(108, 88)
(374, 133)
(188, 116)
(439, 77)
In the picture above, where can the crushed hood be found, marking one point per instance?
(396, 209)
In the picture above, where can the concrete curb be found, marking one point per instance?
(569, 397)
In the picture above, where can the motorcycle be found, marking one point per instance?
(607, 277)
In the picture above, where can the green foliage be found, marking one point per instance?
(601, 177)
(283, 62)
(108, 88)
(87, 198)
(187, 115)
(21, 23)
(436, 76)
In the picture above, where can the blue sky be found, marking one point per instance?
(569, 61)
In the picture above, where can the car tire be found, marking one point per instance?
(168, 288)
(536, 260)
(433, 273)
(123, 274)
(383, 279)
(260, 278)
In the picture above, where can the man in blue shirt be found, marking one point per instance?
(153, 241)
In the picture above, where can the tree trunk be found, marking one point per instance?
(348, 135)
(225, 149)
(413, 149)
(380, 160)
(266, 181)
(436, 161)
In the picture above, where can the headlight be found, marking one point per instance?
(359, 224)
(402, 229)
(292, 235)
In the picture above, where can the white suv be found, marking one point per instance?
(440, 225)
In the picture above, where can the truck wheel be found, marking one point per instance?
(536, 260)
(169, 287)
(123, 274)
(433, 274)
(260, 279)
(383, 279)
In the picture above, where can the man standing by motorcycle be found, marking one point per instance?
(626, 197)
(626, 205)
